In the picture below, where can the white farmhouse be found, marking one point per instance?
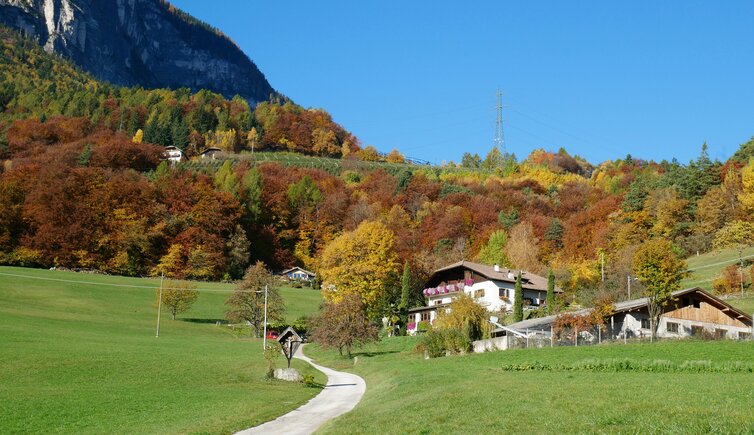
(491, 286)
(173, 154)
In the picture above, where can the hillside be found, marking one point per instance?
(80, 356)
(148, 43)
(82, 185)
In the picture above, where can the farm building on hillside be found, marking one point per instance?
(211, 153)
(491, 286)
(173, 154)
(694, 312)
(298, 274)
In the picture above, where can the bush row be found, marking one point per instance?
(632, 365)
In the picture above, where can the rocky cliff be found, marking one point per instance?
(139, 42)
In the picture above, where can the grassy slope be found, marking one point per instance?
(470, 394)
(708, 266)
(84, 359)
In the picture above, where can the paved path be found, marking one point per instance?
(342, 393)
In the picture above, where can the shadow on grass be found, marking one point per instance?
(212, 321)
(372, 354)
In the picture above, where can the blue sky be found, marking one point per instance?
(602, 79)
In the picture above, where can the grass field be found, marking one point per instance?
(706, 267)
(473, 394)
(80, 358)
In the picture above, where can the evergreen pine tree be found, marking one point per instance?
(550, 292)
(518, 300)
(405, 294)
(180, 132)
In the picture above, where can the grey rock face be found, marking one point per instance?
(138, 42)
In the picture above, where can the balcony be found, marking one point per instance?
(448, 287)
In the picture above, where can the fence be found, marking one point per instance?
(547, 337)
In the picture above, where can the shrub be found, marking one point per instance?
(271, 355)
(441, 342)
(308, 381)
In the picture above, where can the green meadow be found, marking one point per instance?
(706, 267)
(477, 394)
(78, 358)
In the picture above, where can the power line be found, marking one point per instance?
(735, 260)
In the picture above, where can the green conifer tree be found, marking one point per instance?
(405, 294)
(518, 300)
(550, 292)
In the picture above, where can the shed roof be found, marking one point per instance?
(292, 269)
(635, 304)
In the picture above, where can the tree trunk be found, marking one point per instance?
(654, 310)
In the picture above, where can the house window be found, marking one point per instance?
(425, 316)
(720, 333)
(438, 302)
(744, 335)
(697, 303)
(644, 323)
(478, 293)
(697, 330)
(504, 293)
(672, 327)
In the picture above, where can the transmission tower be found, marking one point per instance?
(499, 136)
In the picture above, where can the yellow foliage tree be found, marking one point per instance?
(395, 157)
(746, 196)
(138, 136)
(172, 263)
(223, 139)
(465, 315)
(368, 154)
(361, 262)
(324, 142)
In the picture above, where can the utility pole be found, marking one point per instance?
(499, 136)
(264, 340)
(629, 287)
(741, 276)
(159, 306)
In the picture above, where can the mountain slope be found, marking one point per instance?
(139, 42)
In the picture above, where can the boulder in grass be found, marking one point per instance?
(291, 375)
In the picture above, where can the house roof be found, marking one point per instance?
(529, 280)
(635, 304)
(210, 150)
(292, 269)
(428, 308)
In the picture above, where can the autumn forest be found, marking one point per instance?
(83, 185)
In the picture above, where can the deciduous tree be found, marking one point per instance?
(177, 297)
(660, 270)
(343, 325)
(361, 262)
(465, 315)
(247, 303)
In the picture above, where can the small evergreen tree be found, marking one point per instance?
(405, 295)
(550, 292)
(518, 300)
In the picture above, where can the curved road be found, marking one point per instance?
(342, 392)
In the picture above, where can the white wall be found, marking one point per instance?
(491, 299)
